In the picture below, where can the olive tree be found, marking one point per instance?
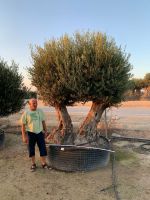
(103, 76)
(50, 73)
(84, 67)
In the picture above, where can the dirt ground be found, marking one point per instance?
(132, 165)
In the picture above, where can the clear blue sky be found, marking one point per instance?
(25, 22)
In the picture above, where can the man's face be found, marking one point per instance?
(33, 104)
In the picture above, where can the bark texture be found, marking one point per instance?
(88, 128)
(64, 133)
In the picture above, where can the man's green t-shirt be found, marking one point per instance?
(33, 120)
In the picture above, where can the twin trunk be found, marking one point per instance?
(87, 129)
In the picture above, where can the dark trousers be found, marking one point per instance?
(39, 139)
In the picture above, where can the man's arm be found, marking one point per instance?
(24, 136)
(44, 128)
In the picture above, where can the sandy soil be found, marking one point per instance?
(132, 165)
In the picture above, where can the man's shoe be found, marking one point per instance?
(33, 167)
(46, 166)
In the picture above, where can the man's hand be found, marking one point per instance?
(44, 129)
(25, 139)
(24, 136)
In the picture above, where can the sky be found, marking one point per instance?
(32, 22)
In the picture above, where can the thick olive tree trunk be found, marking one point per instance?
(64, 132)
(88, 128)
(60, 125)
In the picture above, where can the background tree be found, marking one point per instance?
(85, 67)
(137, 84)
(11, 89)
(147, 83)
(29, 94)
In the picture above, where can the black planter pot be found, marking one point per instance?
(78, 158)
(2, 138)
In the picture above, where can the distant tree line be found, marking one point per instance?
(139, 88)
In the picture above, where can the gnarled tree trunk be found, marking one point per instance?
(88, 128)
(60, 125)
(64, 132)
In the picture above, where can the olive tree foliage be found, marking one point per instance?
(103, 69)
(11, 89)
(84, 67)
(52, 69)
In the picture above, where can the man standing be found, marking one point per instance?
(33, 122)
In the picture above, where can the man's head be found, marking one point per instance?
(33, 104)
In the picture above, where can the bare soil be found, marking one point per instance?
(132, 167)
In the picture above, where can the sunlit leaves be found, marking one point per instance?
(87, 66)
